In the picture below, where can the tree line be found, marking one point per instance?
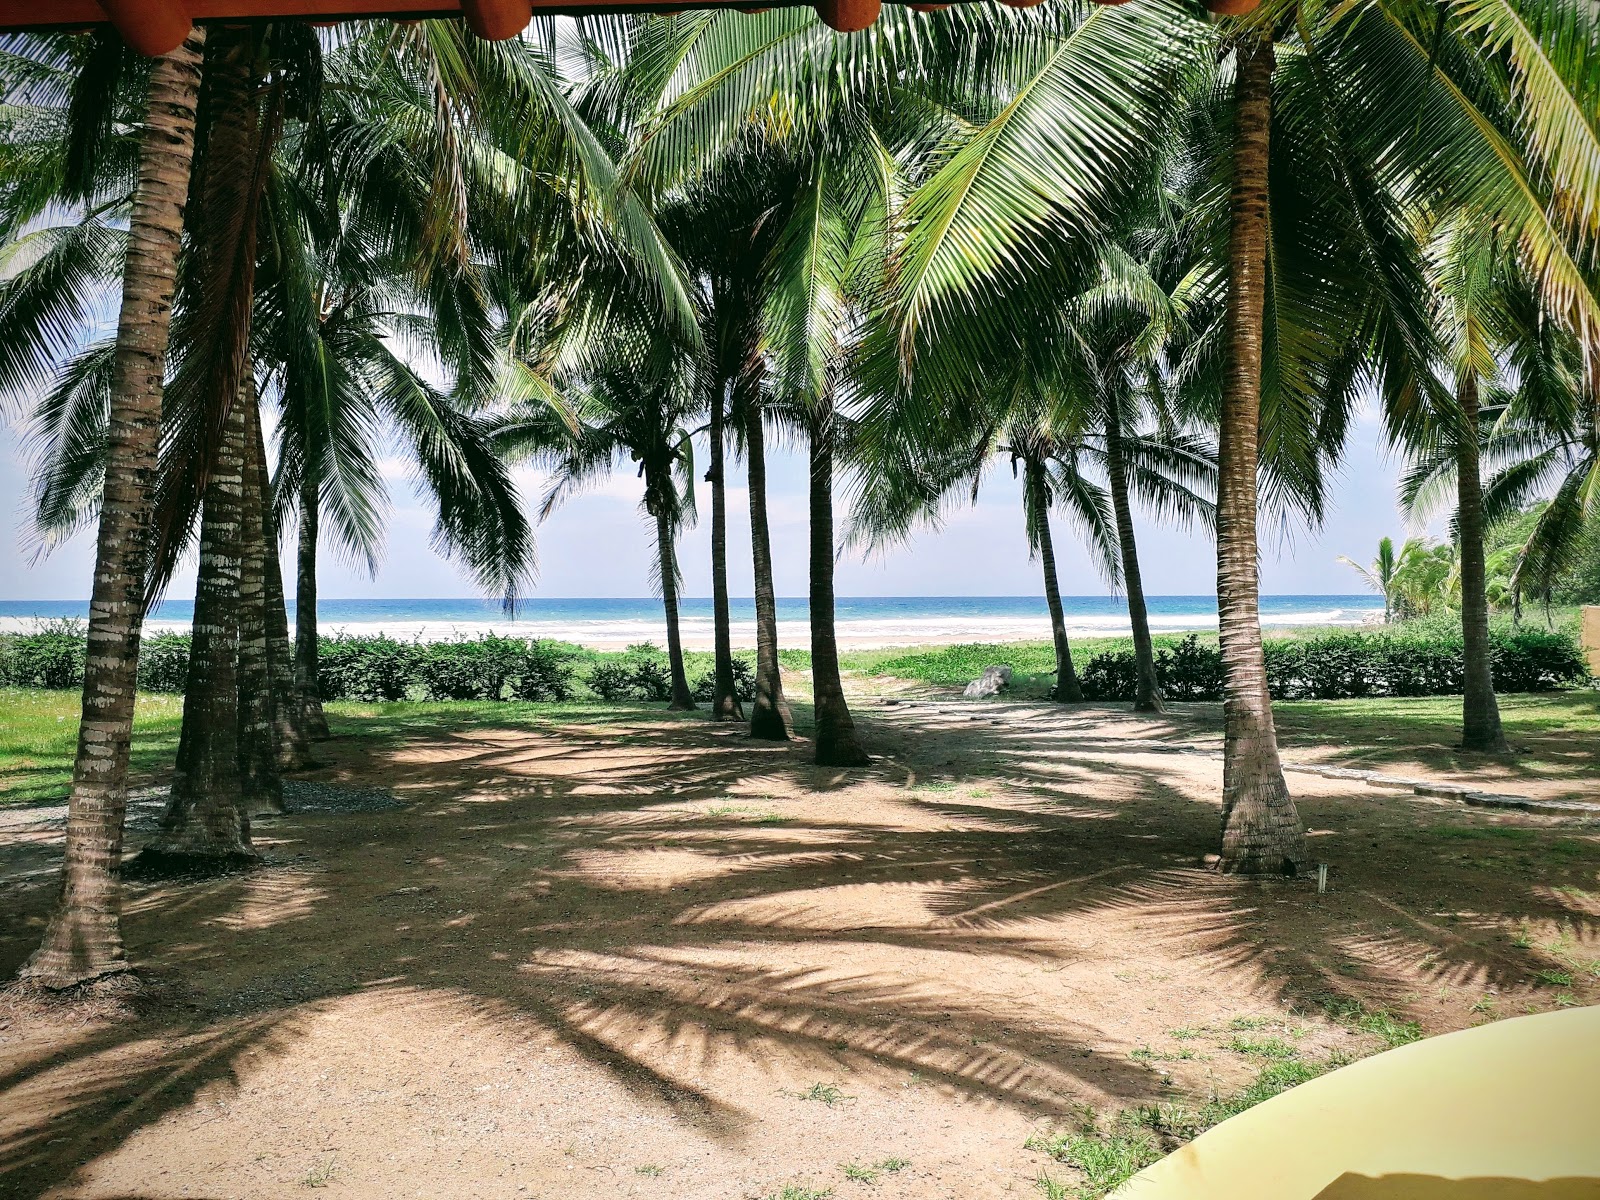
(1148, 259)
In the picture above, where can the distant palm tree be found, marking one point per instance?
(631, 396)
(1380, 575)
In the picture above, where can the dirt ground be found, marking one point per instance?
(643, 956)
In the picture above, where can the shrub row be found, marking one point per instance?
(378, 668)
(1344, 666)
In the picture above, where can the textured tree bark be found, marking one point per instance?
(1261, 830)
(308, 697)
(770, 719)
(294, 747)
(667, 554)
(1480, 712)
(260, 784)
(724, 698)
(206, 822)
(1147, 688)
(836, 741)
(1067, 687)
(83, 940)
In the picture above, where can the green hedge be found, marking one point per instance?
(1341, 666)
(1404, 662)
(380, 668)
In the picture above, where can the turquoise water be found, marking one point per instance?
(862, 620)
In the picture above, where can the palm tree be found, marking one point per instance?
(632, 394)
(83, 940)
(220, 773)
(1380, 575)
(1381, 113)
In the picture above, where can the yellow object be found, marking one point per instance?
(1506, 1111)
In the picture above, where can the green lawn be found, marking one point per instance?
(39, 737)
(39, 732)
(1555, 733)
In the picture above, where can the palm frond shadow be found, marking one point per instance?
(622, 890)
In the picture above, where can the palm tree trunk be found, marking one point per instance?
(1147, 687)
(667, 557)
(724, 697)
(260, 783)
(836, 742)
(1067, 688)
(1261, 830)
(83, 941)
(206, 821)
(307, 695)
(1480, 713)
(770, 719)
(294, 747)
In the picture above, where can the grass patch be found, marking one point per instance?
(1108, 1155)
(1273, 1048)
(824, 1093)
(39, 739)
(1145, 1054)
(871, 1172)
(1393, 1031)
(1106, 1158)
(799, 1191)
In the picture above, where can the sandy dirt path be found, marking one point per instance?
(643, 956)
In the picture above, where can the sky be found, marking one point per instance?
(600, 544)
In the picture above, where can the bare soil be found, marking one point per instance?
(644, 956)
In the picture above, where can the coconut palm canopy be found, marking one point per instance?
(157, 26)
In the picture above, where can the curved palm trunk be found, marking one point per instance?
(1147, 687)
(1067, 688)
(1261, 830)
(667, 557)
(83, 941)
(724, 697)
(1480, 713)
(308, 697)
(769, 713)
(206, 820)
(261, 785)
(837, 745)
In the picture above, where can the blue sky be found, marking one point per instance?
(599, 544)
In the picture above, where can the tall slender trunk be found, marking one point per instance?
(770, 719)
(261, 785)
(836, 742)
(83, 940)
(206, 820)
(307, 694)
(667, 558)
(1261, 830)
(1147, 687)
(1037, 503)
(294, 747)
(724, 696)
(1480, 713)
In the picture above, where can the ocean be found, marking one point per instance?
(863, 621)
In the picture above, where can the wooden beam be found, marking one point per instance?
(849, 16)
(152, 27)
(497, 20)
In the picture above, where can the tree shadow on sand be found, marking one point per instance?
(631, 891)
